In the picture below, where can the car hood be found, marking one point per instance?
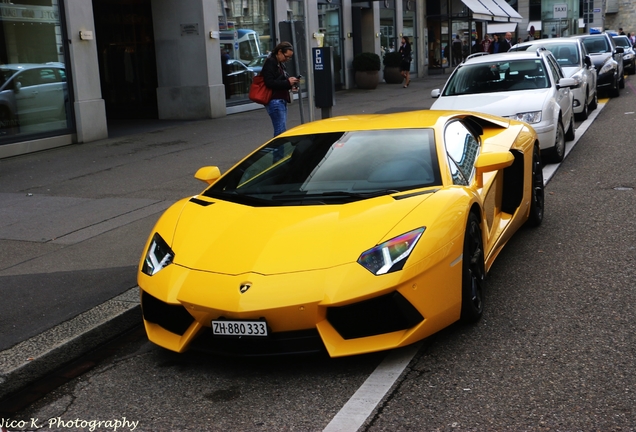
(568, 71)
(599, 59)
(233, 239)
(501, 104)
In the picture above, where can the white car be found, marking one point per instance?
(525, 86)
(31, 94)
(576, 63)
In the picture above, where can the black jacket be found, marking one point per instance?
(275, 77)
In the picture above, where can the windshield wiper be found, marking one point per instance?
(335, 194)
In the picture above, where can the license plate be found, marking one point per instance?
(239, 328)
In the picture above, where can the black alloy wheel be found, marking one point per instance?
(594, 104)
(584, 114)
(538, 191)
(473, 272)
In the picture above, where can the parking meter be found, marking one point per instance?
(324, 85)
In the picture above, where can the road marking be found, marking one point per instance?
(357, 409)
(550, 169)
(355, 412)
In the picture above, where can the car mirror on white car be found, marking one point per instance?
(435, 93)
(567, 82)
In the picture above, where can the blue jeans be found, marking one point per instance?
(277, 110)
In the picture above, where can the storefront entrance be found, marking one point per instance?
(126, 51)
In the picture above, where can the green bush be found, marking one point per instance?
(392, 59)
(366, 61)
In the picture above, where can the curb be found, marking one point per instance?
(40, 355)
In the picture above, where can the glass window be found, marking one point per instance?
(500, 76)
(332, 168)
(34, 95)
(244, 27)
(462, 149)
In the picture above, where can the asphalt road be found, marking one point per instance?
(555, 350)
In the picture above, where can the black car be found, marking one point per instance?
(629, 56)
(608, 60)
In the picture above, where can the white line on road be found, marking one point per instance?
(363, 402)
(550, 169)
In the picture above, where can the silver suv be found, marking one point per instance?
(576, 63)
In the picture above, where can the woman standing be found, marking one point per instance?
(276, 78)
(405, 66)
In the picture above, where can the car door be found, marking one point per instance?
(589, 70)
(563, 96)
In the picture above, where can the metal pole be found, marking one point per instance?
(310, 60)
(297, 69)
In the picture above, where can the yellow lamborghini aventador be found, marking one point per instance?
(352, 234)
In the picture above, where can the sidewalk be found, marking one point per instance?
(74, 220)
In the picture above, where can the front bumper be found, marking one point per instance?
(546, 133)
(305, 312)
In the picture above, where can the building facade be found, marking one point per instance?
(70, 66)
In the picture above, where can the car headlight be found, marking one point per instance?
(528, 117)
(159, 256)
(628, 56)
(391, 255)
(608, 67)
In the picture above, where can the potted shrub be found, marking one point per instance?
(392, 73)
(367, 68)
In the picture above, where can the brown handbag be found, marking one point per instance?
(259, 92)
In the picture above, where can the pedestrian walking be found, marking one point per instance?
(276, 78)
(405, 65)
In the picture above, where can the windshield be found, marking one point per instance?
(5, 75)
(502, 76)
(565, 54)
(333, 168)
(623, 41)
(596, 45)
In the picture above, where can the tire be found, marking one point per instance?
(557, 153)
(569, 135)
(583, 114)
(594, 104)
(538, 192)
(615, 91)
(473, 272)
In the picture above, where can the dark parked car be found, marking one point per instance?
(239, 77)
(608, 60)
(257, 64)
(629, 60)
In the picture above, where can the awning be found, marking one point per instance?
(501, 28)
(492, 10)
(479, 10)
(535, 24)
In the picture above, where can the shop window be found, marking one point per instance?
(34, 95)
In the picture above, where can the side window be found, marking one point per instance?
(556, 70)
(462, 149)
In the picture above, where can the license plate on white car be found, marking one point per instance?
(239, 328)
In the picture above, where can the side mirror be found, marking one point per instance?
(492, 161)
(435, 93)
(567, 83)
(619, 50)
(17, 86)
(588, 61)
(208, 174)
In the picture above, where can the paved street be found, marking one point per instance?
(555, 349)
